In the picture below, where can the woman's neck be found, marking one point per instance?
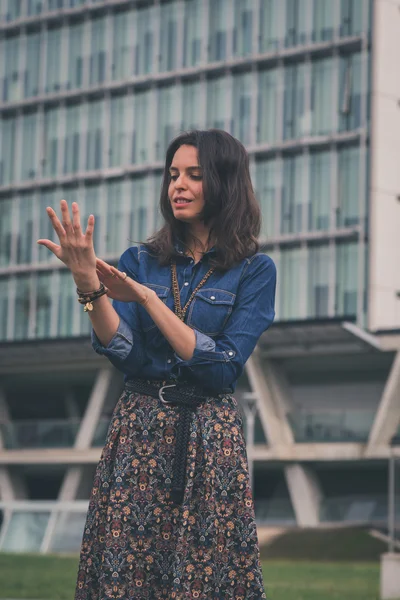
(198, 239)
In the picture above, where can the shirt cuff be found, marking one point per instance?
(119, 346)
(203, 342)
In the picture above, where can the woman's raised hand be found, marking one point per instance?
(120, 286)
(75, 249)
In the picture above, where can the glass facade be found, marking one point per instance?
(100, 93)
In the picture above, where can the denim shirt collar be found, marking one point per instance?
(179, 247)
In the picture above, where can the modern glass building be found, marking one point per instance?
(91, 92)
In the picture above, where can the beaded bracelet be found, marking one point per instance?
(87, 298)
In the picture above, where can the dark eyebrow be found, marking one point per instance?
(194, 168)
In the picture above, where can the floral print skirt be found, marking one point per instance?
(137, 544)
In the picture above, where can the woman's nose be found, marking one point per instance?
(180, 183)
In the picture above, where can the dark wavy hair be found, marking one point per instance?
(231, 209)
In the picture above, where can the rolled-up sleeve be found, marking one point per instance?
(126, 349)
(120, 345)
(221, 360)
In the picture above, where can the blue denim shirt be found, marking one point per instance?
(228, 315)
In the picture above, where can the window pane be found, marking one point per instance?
(46, 231)
(320, 190)
(323, 20)
(241, 118)
(6, 208)
(118, 215)
(119, 135)
(296, 24)
(141, 200)
(266, 194)
(26, 530)
(94, 136)
(293, 201)
(13, 10)
(350, 92)
(35, 7)
(53, 71)
(122, 52)
(192, 32)
(144, 41)
(4, 284)
(91, 205)
(51, 142)
(7, 150)
(32, 72)
(292, 263)
(347, 280)
(140, 139)
(243, 27)
(321, 97)
(75, 56)
(190, 105)
(97, 64)
(12, 82)
(348, 187)
(168, 36)
(25, 229)
(73, 139)
(269, 34)
(351, 16)
(218, 30)
(22, 302)
(267, 106)
(294, 120)
(44, 301)
(216, 103)
(167, 128)
(67, 304)
(29, 155)
(318, 281)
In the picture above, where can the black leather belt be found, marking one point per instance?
(187, 398)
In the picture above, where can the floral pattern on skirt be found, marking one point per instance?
(137, 544)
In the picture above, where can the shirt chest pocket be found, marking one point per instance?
(210, 310)
(162, 292)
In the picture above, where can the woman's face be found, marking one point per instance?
(186, 185)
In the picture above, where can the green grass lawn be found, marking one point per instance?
(53, 578)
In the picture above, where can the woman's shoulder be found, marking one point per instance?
(137, 253)
(259, 263)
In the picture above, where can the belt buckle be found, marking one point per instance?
(160, 394)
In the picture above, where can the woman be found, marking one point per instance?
(171, 512)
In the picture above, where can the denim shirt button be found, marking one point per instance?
(169, 361)
(212, 297)
(186, 284)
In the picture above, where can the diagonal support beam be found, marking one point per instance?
(387, 418)
(305, 493)
(267, 382)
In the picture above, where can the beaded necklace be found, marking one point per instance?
(179, 311)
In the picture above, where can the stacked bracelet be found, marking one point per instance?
(87, 298)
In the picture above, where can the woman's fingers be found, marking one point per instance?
(54, 248)
(120, 274)
(90, 227)
(103, 266)
(76, 218)
(58, 228)
(66, 219)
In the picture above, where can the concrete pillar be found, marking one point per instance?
(390, 576)
(305, 494)
(387, 418)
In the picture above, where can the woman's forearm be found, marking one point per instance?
(104, 318)
(179, 335)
